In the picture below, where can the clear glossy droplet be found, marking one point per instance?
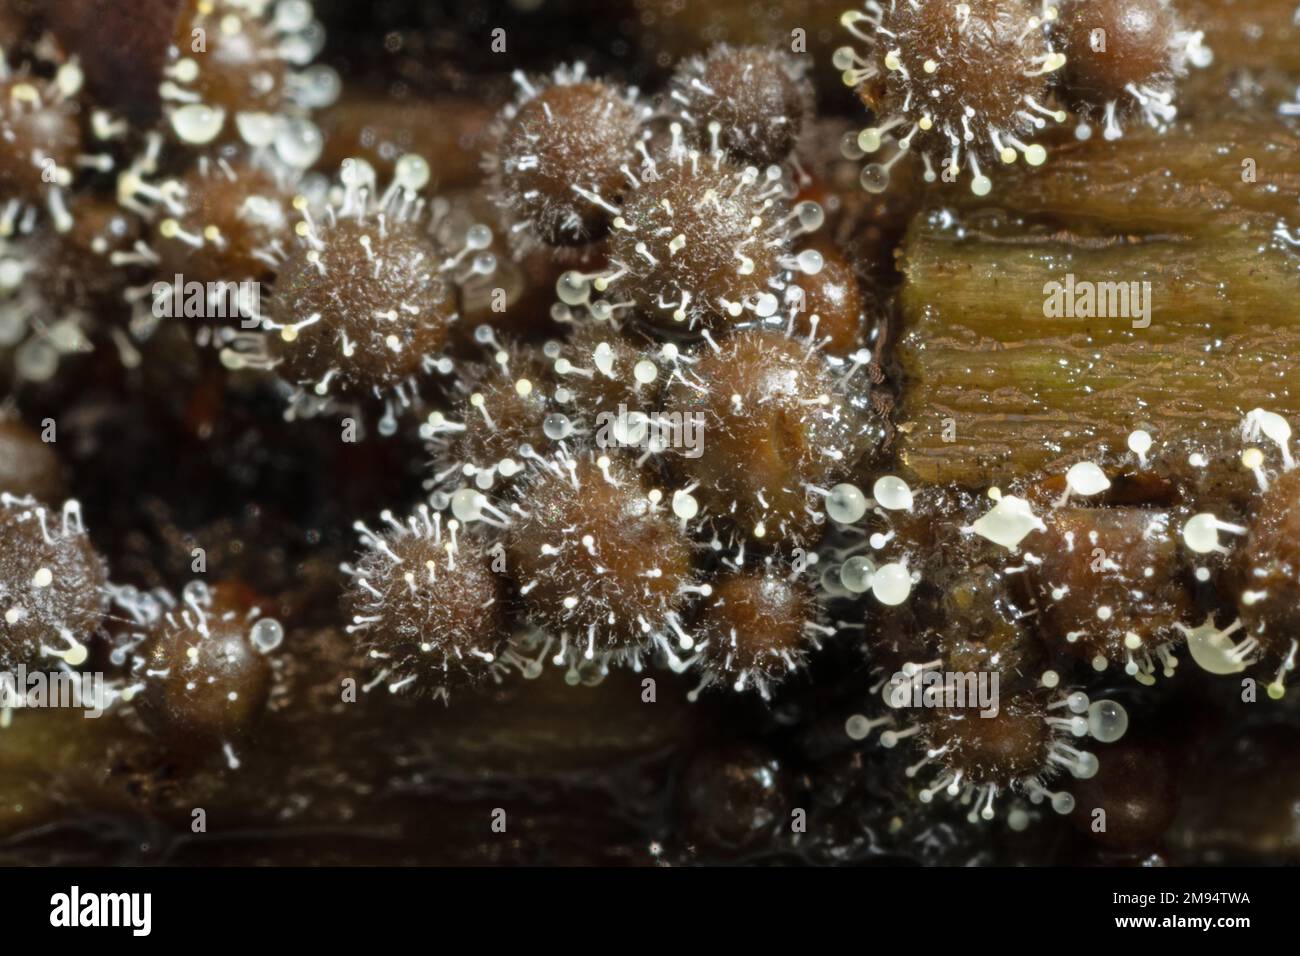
(266, 634)
(874, 178)
(810, 215)
(891, 584)
(557, 426)
(1107, 720)
(467, 504)
(893, 493)
(855, 575)
(846, 503)
(299, 143)
(573, 288)
(412, 172)
(198, 124)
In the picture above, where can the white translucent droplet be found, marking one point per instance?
(874, 178)
(810, 216)
(870, 139)
(412, 172)
(1062, 802)
(37, 361)
(1086, 766)
(467, 504)
(557, 427)
(645, 371)
(197, 123)
(1086, 479)
(11, 274)
(891, 584)
(266, 634)
(299, 143)
(857, 727)
(256, 129)
(1201, 533)
(1214, 651)
(1007, 523)
(319, 86)
(1273, 425)
(1107, 720)
(1139, 442)
(573, 288)
(846, 503)
(810, 262)
(856, 574)
(356, 172)
(69, 79)
(893, 493)
(292, 15)
(630, 430)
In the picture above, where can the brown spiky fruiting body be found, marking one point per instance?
(1268, 570)
(1109, 586)
(984, 629)
(380, 312)
(497, 422)
(979, 71)
(754, 628)
(204, 681)
(427, 605)
(775, 423)
(999, 749)
(228, 211)
(957, 83)
(52, 585)
(965, 608)
(834, 312)
(597, 369)
(40, 136)
(758, 98)
(73, 273)
(568, 133)
(56, 284)
(694, 245)
(238, 67)
(599, 559)
(1003, 743)
(237, 70)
